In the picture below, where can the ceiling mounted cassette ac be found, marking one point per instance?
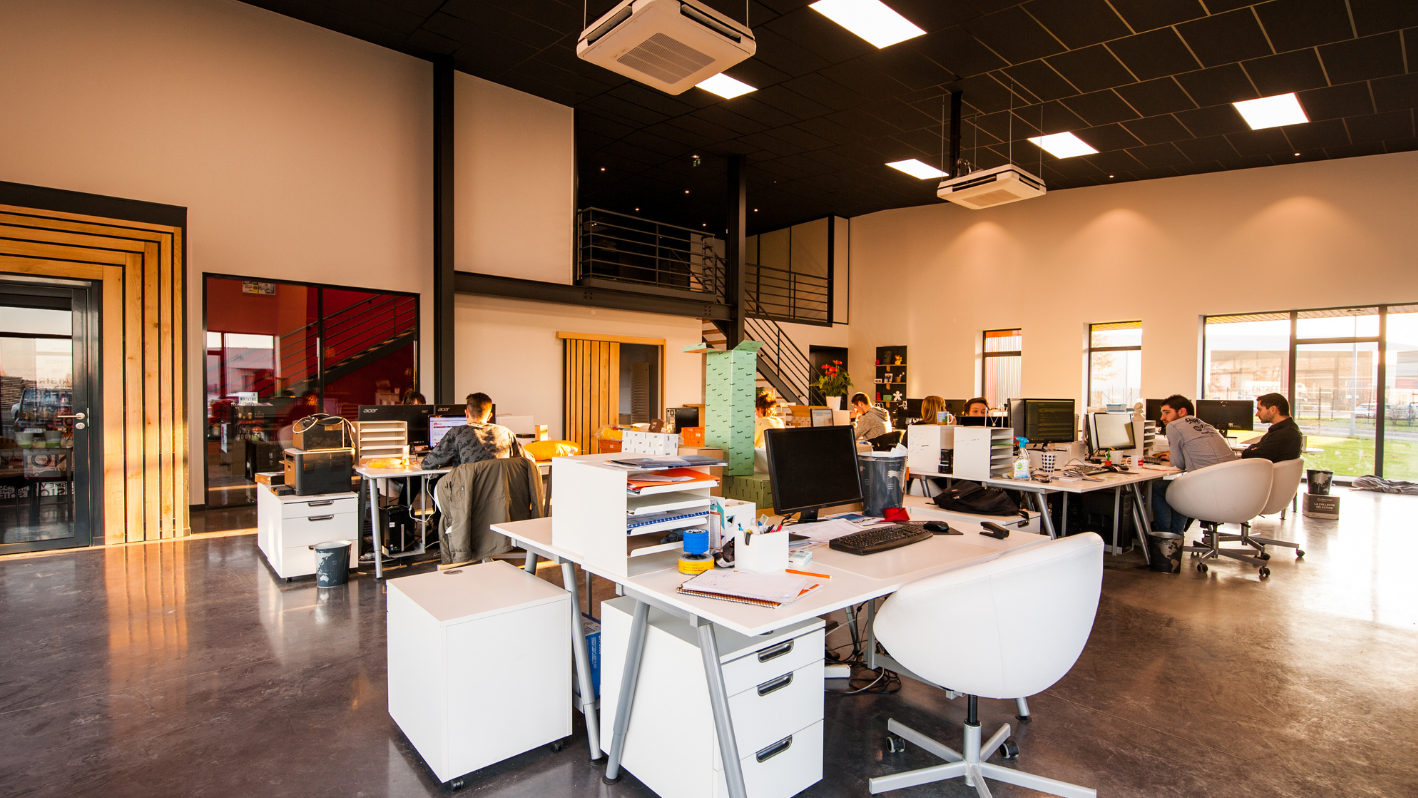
(668, 44)
(990, 187)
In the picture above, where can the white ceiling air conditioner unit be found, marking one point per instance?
(668, 44)
(987, 188)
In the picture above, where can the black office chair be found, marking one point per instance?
(885, 443)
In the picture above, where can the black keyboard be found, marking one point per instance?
(880, 538)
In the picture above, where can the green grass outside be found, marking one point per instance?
(1355, 457)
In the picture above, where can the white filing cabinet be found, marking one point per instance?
(775, 687)
(479, 664)
(288, 527)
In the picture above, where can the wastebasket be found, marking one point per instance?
(332, 563)
(883, 482)
(1318, 481)
(1165, 551)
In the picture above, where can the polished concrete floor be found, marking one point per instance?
(187, 668)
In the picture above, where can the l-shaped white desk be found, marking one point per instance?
(854, 580)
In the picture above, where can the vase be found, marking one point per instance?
(835, 402)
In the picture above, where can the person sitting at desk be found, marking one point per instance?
(932, 411)
(1283, 440)
(476, 442)
(870, 421)
(1193, 445)
(763, 417)
(979, 406)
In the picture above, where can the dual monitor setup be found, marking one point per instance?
(427, 424)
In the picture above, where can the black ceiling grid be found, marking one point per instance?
(1149, 83)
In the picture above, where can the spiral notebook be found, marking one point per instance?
(741, 587)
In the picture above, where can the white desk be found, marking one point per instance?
(372, 476)
(855, 579)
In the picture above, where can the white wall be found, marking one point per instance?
(515, 169)
(508, 349)
(1167, 252)
(300, 153)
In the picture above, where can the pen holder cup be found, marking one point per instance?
(761, 554)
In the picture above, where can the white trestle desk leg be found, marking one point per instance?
(633, 654)
(719, 702)
(374, 527)
(1042, 499)
(531, 566)
(1117, 504)
(1140, 523)
(583, 660)
(1063, 520)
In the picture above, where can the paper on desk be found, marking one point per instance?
(781, 588)
(823, 531)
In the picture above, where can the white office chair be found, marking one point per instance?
(1009, 627)
(1284, 484)
(1226, 493)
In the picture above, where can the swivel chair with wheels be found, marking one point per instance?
(1284, 484)
(1009, 627)
(1226, 493)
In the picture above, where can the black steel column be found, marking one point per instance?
(957, 102)
(443, 361)
(736, 284)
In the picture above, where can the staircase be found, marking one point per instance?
(782, 366)
(353, 337)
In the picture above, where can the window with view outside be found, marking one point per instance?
(1002, 362)
(1114, 363)
(1400, 440)
(1247, 356)
(1336, 387)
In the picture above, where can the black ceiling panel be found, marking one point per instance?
(1014, 35)
(1226, 38)
(1091, 69)
(830, 109)
(1155, 97)
(1078, 23)
(1101, 107)
(1292, 24)
(1364, 58)
(1155, 54)
(1287, 72)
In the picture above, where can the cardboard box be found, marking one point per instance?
(605, 446)
(692, 436)
(1317, 506)
(655, 444)
(754, 488)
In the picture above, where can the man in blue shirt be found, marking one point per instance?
(1193, 445)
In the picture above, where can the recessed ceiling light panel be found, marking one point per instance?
(915, 168)
(1063, 145)
(1282, 109)
(725, 87)
(872, 20)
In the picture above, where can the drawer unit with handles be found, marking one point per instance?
(775, 688)
(288, 527)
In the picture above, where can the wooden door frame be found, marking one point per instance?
(616, 339)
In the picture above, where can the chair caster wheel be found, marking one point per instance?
(1299, 553)
(1008, 749)
(455, 785)
(1201, 566)
(1263, 556)
(895, 744)
(1264, 572)
(558, 746)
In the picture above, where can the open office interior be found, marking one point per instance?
(194, 158)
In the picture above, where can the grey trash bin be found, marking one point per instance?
(883, 482)
(1165, 551)
(1319, 480)
(332, 563)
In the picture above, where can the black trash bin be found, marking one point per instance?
(1318, 481)
(883, 482)
(332, 563)
(1165, 551)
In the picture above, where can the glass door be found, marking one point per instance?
(45, 424)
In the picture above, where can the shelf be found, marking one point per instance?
(645, 505)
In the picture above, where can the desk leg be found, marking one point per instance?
(583, 661)
(374, 527)
(719, 702)
(1139, 514)
(531, 566)
(1063, 522)
(1117, 501)
(852, 627)
(871, 634)
(1046, 520)
(629, 676)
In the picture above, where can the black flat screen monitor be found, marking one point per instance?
(956, 406)
(1226, 414)
(812, 467)
(1111, 431)
(416, 416)
(1153, 412)
(1043, 420)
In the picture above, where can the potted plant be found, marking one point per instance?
(833, 382)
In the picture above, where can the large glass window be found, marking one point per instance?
(1247, 356)
(278, 351)
(1400, 440)
(1114, 363)
(1001, 367)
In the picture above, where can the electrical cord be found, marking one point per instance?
(863, 679)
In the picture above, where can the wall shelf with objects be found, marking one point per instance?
(890, 379)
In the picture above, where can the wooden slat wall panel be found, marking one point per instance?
(591, 389)
(145, 469)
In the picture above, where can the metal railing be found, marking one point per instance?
(780, 355)
(788, 296)
(615, 246)
(349, 333)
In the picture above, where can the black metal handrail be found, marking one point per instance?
(371, 321)
(779, 352)
(616, 246)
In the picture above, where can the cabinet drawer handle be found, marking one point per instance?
(774, 685)
(775, 652)
(774, 749)
(320, 518)
(325, 503)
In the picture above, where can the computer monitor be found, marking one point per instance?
(956, 406)
(1043, 420)
(821, 416)
(438, 426)
(415, 416)
(1153, 412)
(812, 467)
(1227, 414)
(1111, 431)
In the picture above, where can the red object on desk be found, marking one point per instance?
(897, 514)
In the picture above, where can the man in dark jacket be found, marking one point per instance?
(1283, 440)
(476, 442)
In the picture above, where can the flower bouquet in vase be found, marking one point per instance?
(833, 382)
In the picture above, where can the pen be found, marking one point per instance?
(806, 573)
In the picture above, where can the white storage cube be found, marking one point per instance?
(288, 527)
(775, 688)
(457, 641)
(649, 443)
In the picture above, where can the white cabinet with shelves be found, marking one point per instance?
(983, 452)
(288, 527)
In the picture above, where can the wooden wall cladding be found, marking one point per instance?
(143, 356)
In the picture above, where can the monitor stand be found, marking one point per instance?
(808, 516)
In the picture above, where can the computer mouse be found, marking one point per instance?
(940, 528)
